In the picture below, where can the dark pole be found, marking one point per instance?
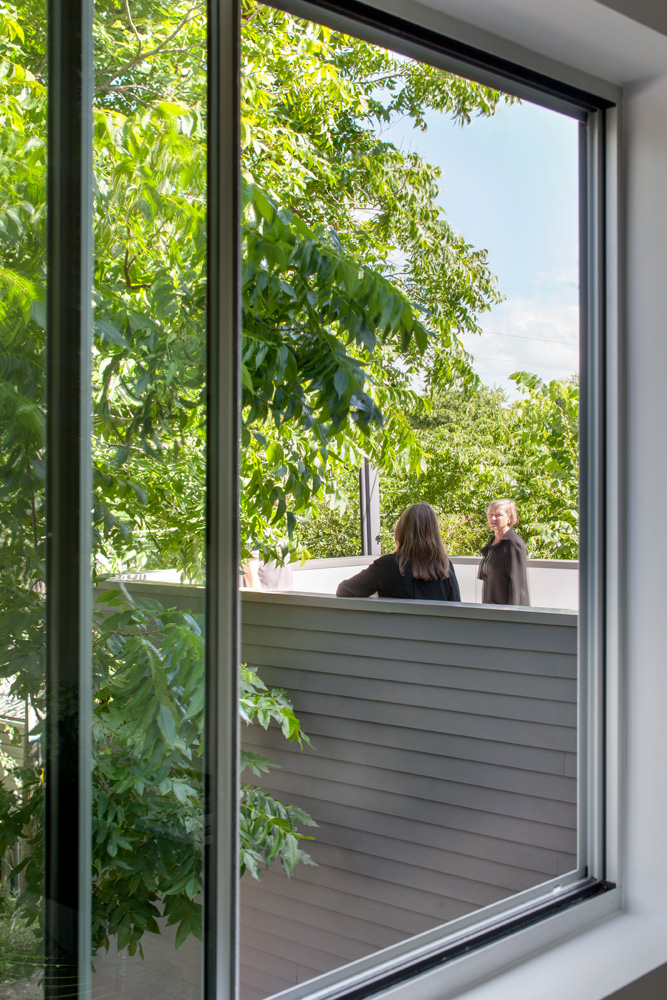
(369, 509)
(222, 504)
(68, 486)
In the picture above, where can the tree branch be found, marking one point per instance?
(141, 56)
(247, 18)
(118, 87)
(132, 25)
(127, 264)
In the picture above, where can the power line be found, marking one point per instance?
(535, 340)
(510, 361)
(495, 375)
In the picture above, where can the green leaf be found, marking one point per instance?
(170, 108)
(263, 205)
(341, 382)
(166, 724)
(38, 313)
(183, 932)
(107, 331)
(246, 378)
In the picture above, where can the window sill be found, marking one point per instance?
(567, 955)
(587, 963)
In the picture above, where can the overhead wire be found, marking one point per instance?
(520, 336)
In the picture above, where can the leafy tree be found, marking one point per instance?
(353, 282)
(544, 432)
(148, 732)
(477, 446)
(333, 528)
(20, 949)
(334, 329)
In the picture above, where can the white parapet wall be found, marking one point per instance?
(553, 583)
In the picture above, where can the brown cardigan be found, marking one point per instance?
(503, 571)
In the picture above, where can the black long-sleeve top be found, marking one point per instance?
(384, 578)
(504, 572)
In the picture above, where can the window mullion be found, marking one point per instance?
(67, 891)
(592, 522)
(222, 504)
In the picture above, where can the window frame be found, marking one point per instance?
(68, 785)
(547, 913)
(68, 675)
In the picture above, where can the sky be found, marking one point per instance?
(509, 185)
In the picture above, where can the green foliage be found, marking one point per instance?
(148, 731)
(333, 528)
(22, 283)
(353, 282)
(268, 827)
(20, 945)
(545, 445)
(478, 447)
(313, 141)
(269, 830)
(334, 326)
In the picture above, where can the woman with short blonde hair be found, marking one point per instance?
(419, 568)
(503, 569)
(505, 505)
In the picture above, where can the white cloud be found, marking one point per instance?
(536, 334)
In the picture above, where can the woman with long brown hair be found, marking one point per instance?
(419, 569)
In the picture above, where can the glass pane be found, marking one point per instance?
(149, 490)
(410, 299)
(22, 460)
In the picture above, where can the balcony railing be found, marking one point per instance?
(553, 583)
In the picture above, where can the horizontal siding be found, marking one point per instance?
(470, 773)
(361, 925)
(294, 788)
(364, 649)
(493, 727)
(430, 788)
(508, 679)
(462, 842)
(288, 970)
(442, 773)
(423, 632)
(371, 734)
(379, 619)
(407, 694)
(307, 942)
(386, 896)
(458, 868)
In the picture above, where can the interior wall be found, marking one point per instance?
(646, 680)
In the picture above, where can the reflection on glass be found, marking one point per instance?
(377, 248)
(22, 461)
(149, 474)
